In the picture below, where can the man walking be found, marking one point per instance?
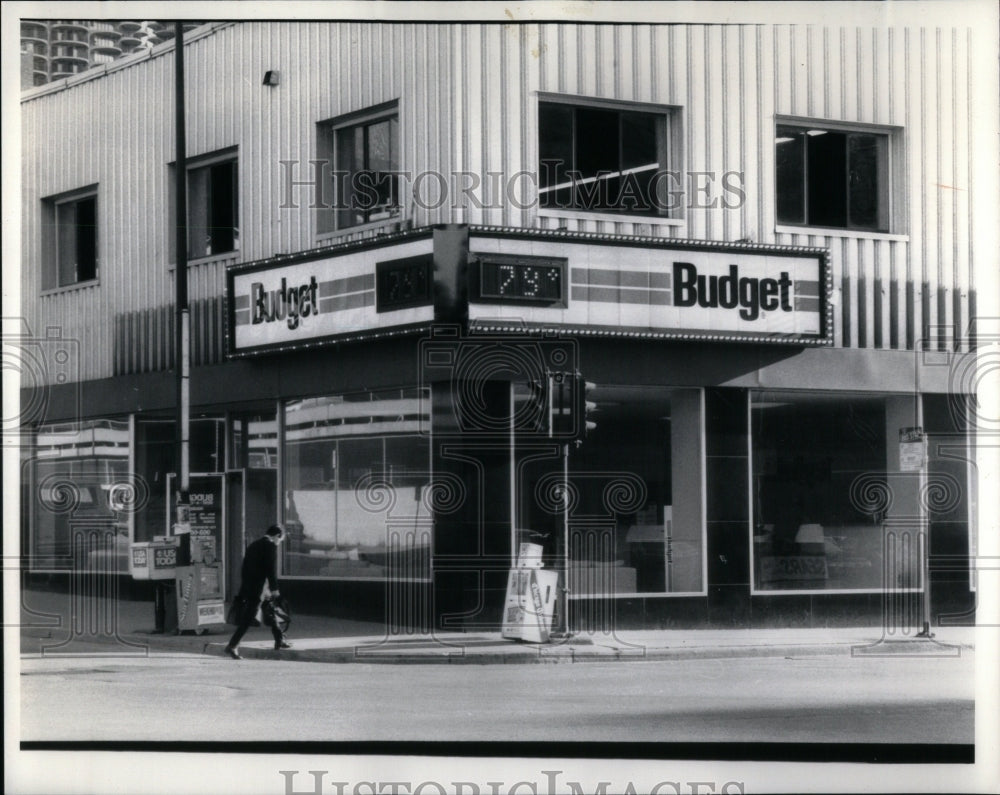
(260, 564)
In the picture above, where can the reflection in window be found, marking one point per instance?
(78, 471)
(832, 178)
(636, 524)
(362, 156)
(70, 239)
(356, 478)
(810, 530)
(602, 159)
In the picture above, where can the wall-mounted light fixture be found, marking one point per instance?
(270, 78)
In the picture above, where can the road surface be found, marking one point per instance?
(205, 698)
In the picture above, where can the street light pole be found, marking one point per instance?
(182, 344)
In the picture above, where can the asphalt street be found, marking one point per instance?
(185, 697)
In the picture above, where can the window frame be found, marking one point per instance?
(892, 222)
(199, 163)
(51, 253)
(671, 152)
(327, 133)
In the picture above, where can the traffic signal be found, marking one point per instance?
(571, 414)
(585, 407)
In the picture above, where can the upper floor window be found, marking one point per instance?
(833, 177)
(212, 205)
(363, 150)
(70, 255)
(604, 157)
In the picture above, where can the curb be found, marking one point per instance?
(519, 655)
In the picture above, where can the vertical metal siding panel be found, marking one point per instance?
(548, 57)
(734, 154)
(495, 114)
(604, 63)
(697, 90)
(944, 111)
(895, 332)
(782, 72)
(587, 61)
(848, 74)
(865, 252)
(882, 320)
(645, 61)
(833, 75)
(748, 162)
(961, 47)
(929, 64)
(866, 67)
(799, 69)
(761, 196)
(715, 131)
(474, 119)
(848, 296)
(527, 153)
(813, 42)
(915, 180)
(456, 51)
(881, 77)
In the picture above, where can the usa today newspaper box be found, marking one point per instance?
(531, 598)
(156, 559)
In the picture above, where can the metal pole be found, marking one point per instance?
(565, 544)
(182, 360)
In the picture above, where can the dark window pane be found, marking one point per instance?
(86, 239)
(863, 174)
(639, 141)
(350, 159)
(789, 158)
(826, 157)
(66, 244)
(555, 152)
(597, 143)
(222, 212)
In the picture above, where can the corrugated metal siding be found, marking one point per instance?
(467, 97)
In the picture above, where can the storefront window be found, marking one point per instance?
(78, 468)
(636, 496)
(356, 477)
(155, 451)
(824, 467)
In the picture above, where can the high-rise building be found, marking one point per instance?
(54, 49)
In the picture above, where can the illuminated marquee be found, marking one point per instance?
(681, 290)
(348, 292)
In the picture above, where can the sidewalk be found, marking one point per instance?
(125, 628)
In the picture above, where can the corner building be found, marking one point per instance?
(406, 241)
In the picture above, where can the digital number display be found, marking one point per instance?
(403, 283)
(521, 279)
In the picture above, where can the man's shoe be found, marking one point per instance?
(282, 645)
(233, 653)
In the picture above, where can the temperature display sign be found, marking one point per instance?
(504, 278)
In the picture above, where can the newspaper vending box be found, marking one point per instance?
(199, 597)
(531, 598)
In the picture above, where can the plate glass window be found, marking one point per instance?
(602, 159)
(832, 178)
(366, 154)
(72, 251)
(213, 209)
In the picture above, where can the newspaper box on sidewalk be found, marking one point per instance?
(531, 598)
(199, 597)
